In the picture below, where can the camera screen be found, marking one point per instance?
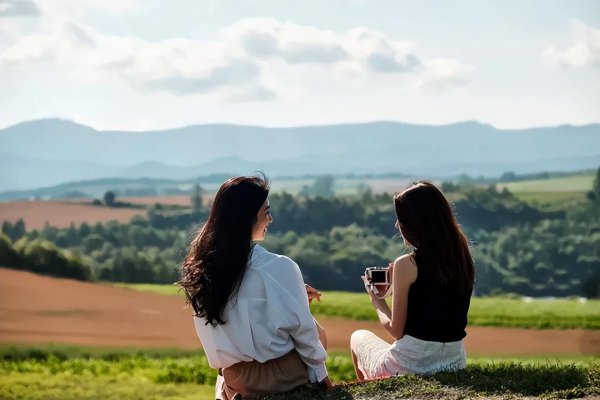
(379, 276)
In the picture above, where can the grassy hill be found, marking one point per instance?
(552, 191)
(66, 373)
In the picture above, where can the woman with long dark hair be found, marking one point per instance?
(431, 291)
(251, 307)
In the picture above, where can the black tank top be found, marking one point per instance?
(435, 314)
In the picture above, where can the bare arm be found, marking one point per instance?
(403, 273)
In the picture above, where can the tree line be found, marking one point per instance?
(518, 247)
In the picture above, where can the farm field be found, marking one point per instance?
(116, 342)
(575, 183)
(552, 191)
(62, 213)
(39, 309)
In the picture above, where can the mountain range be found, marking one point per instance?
(52, 151)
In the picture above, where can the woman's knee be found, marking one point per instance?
(357, 337)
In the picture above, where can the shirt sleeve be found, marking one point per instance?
(302, 327)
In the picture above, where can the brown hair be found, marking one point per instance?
(217, 257)
(441, 249)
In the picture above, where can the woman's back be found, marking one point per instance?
(266, 318)
(436, 313)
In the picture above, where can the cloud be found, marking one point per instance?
(382, 54)
(18, 8)
(584, 50)
(233, 72)
(236, 63)
(74, 9)
(30, 48)
(296, 44)
(441, 74)
(257, 92)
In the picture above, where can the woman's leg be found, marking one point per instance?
(359, 373)
(370, 355)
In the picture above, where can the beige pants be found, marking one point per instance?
(274, 376)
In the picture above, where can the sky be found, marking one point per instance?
(149, 64)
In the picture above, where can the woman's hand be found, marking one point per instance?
(367, 284)
(327, 382)
(312, 294)
(369, 289)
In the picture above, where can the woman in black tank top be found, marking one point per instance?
(431, 291)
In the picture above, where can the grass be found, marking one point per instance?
(165, 289)
(476, 381)
(575, 183)
(553, 192)
(551, 198)
(66, 372)
(484, 311)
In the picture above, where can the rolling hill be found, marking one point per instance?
(52, 151)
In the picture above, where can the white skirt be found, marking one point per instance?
(378, 359)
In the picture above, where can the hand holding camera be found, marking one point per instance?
(379, 281)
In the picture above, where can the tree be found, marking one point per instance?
(595, 193)
(508, 176)
(365, 192)
(8, 255)
(196, 199)
(14, 231)
(109, 198)
(323, 186)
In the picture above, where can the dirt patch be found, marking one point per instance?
(39, 309)
(62, 213)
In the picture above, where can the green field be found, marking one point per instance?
(484, 311)
(574, 183)
(552, 191)
(63, 372)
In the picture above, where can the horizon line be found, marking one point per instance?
(369, 122)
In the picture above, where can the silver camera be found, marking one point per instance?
(378, 275)
(379, 281)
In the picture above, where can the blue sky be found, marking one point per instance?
(139, 65)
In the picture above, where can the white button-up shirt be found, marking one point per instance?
(269, 317)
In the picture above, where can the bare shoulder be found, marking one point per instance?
(405, 267)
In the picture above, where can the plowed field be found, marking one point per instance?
(39, 309)
(61, 213)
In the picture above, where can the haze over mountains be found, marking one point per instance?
(52, 151)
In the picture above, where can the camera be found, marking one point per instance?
(378, 275)
(379, 281)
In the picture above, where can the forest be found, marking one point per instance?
(519, 247)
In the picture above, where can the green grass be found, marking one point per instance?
(539, 313)
(484, 311)
(553, 192)
(551, 198)
(575, 183)
(150, 287)
(506, 380)
(66, 372)
(490, 311)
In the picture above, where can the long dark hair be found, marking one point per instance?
(216, 261)
(441, 249)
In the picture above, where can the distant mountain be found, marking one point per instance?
(52, 151)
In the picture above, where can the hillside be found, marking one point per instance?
(67, 151)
